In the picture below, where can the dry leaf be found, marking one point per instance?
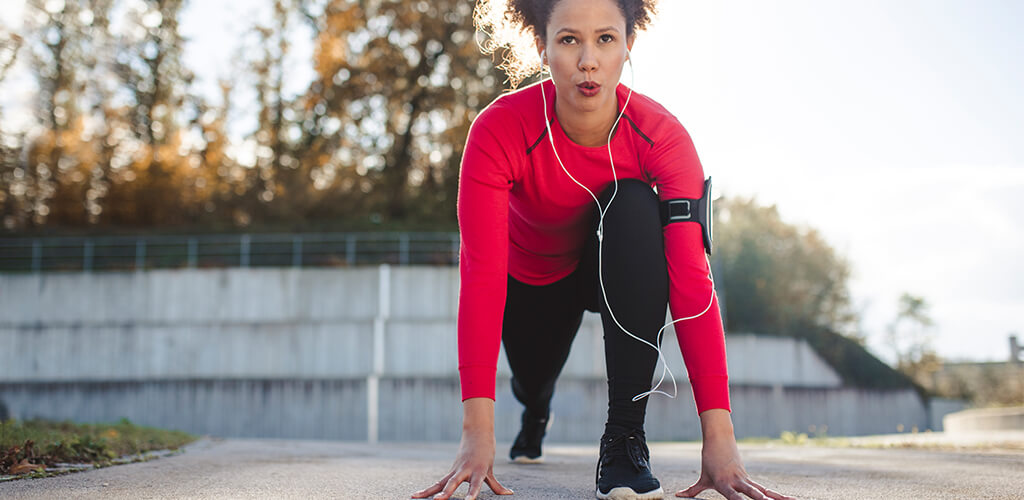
(25, 467)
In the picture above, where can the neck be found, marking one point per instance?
(587, 128)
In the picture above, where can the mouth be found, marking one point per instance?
(588, 88)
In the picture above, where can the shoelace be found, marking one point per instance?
(632, 441)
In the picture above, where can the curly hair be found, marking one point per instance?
(513, 24)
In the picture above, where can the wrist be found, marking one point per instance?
(478, 415)
(716, 424)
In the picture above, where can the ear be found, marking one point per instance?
(540, 49)
(629, 43)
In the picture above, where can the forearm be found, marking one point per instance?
(483, 277)
(701, 338)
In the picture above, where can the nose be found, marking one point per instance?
(588, 60)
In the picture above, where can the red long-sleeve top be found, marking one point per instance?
(521, 215)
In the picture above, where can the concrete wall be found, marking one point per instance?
(938, 408)
(986, 420)
(363, 353)
(426, 408)
(286, 408)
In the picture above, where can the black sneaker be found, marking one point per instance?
(526, 448)
(624, 470)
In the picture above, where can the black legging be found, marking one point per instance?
(540, 322)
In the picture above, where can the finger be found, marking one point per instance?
(770, 493)
(430, 490)
(496, 487)
(729, 493)
(693, 490)
(475, 484)
(453, 484)
(426, 492)
(750, 491)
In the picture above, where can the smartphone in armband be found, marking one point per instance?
(692, 210)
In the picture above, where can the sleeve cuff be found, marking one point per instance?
(710, 393)
(477, 381)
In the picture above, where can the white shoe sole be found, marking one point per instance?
(528, 460)
(627, 493)
(540, 459)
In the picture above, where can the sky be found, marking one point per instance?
(893, 128)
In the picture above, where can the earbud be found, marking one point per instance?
(542, 61)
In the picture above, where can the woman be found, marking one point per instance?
(537, 251)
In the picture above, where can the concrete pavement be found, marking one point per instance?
(265, 468)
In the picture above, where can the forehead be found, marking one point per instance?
(586, 15)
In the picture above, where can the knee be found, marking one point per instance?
(633, 197)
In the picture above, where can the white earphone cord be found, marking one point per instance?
(600, 244)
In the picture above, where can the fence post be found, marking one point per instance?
(373, 380)
(140, 254)
(192, 251)
(37, 256)
(455, 248)
(403, 249)
(87, 256)
(245, 251)
(350, 250)
(297, 251)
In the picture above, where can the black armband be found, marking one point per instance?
(691, 210)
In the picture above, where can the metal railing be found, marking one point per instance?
(226, 250)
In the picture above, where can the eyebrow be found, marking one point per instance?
(599, 30)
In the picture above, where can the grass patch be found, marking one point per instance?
(790, 438)
(36, 448)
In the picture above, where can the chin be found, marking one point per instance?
(587, 103)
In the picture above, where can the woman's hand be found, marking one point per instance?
(721, 467)
(475, 460)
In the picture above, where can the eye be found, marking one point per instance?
(610, 37)
(568, 37)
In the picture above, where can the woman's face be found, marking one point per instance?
(586, 45)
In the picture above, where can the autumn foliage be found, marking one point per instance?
(121, 138)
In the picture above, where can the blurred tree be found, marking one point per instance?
(10, 43)
(121, 140)
(278, 187)
(910, 336)
(111, 198)
(398, 82)
(12, 182)
(58, 161)
(982, 383)
(211, 185)
(109, 105)
(778, 278)
(149, 65)
(106, 117)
